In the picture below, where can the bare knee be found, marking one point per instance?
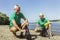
(13, 29)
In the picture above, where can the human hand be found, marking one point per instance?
(23, 30)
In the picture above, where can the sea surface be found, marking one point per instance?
(55, 27)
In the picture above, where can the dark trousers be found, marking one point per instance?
(26, 28)
(43, 32)
(27, 33)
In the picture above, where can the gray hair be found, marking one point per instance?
(41, 14)
(16, 6)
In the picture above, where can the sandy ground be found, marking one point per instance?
(5, 34)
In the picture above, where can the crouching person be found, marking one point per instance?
(15, 22)
(45, 25)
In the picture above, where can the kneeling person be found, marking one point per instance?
(15, 21)
(45, 25)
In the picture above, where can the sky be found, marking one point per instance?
(32, 8)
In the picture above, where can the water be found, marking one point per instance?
(55, 27)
